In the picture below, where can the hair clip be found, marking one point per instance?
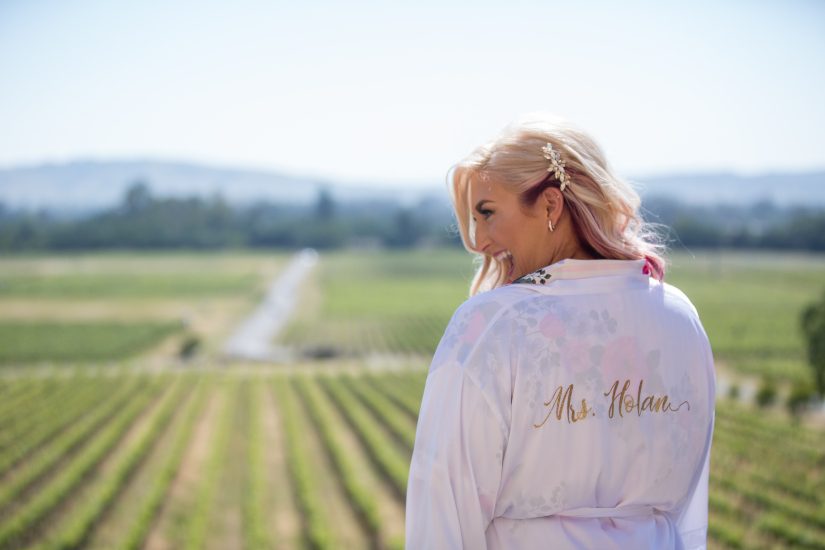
(556, 164)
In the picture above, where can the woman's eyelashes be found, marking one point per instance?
(485, 213)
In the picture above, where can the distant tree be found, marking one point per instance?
(28, 234)
(800, 395)
(189, 346)
(405, 231)
(693, 231)
(325, 235)
(324, 205)
(766, 393)
(813, 326)
(137, 198)
(803, 230)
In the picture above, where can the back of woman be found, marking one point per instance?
(570, 402)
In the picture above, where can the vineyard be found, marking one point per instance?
(108, 440)
(259, 460)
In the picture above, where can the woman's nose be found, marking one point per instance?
(479, 236)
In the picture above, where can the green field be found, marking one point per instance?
(385, 303)
(113, 306)
(119, 444)
(78, 341)
(360, 303)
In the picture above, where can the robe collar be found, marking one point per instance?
(571, 268)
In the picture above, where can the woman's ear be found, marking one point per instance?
(552, 200)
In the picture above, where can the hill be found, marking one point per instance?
(87, 185)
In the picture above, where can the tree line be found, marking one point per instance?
(144, 221)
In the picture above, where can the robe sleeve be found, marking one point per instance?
(693, 523)
(460, 441)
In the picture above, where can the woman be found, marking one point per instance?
(570, 402)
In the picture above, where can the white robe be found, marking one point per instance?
(525, 439)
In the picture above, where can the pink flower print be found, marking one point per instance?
(475, 327)
(552, 327)
(622, 360)
(575, 356)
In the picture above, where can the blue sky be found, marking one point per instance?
(397, 92)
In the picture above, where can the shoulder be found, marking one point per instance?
(473, 324)
(478, 346)
(486, 307)
(677, 299)
(681, 313)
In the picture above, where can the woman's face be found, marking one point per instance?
(501, 228)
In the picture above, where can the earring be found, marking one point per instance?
(550, 225)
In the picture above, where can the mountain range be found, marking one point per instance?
(88, 185)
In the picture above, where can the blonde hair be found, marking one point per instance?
(604, 209)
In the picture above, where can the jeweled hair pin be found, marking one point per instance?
(556, 165)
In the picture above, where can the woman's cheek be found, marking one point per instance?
(495, 228)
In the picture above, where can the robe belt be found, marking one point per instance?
(623, 511)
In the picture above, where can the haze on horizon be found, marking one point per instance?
(364, 92)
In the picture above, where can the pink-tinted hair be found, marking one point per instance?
(604, 209)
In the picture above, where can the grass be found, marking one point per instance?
(66, 286)
(130, 274)
(33, 342)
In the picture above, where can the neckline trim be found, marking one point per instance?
(571, 268)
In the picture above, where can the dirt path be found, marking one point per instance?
(253, 338)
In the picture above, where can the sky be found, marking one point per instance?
(394, 93)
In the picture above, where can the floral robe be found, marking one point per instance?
(571, 409)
